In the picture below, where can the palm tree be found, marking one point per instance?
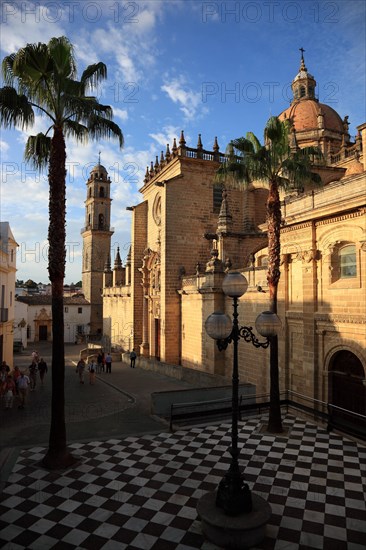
(41, 78)
(280, 166)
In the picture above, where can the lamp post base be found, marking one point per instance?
(235, 533)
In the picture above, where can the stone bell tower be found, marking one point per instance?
(96, 242)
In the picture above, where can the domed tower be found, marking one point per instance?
(96, 242)
(314, 123)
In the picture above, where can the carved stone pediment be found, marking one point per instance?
(43, 315)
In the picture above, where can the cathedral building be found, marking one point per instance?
(187, 232)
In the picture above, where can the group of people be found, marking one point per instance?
(15, 383)
(102, 364)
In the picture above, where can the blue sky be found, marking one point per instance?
(214, 68)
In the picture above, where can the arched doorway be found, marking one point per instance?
(347, 392)
(43, 326)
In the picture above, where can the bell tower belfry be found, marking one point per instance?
(96, 242)
(303, 85)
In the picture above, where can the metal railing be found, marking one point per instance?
(326, 412)
(222, 406)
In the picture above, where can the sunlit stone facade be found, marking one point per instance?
(186, 233)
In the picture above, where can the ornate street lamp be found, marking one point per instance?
(233, 494)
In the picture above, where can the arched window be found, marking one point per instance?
(90, 192)
(302, 91)
(347, 261)
(100, 221)
(101, 192)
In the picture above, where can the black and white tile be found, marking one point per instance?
(142, 492)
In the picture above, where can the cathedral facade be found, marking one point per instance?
(187, 232)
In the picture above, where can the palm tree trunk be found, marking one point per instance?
(57, 455)
(273, 277)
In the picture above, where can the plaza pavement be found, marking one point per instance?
(139, 490)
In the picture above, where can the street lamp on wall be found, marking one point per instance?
(233, 494)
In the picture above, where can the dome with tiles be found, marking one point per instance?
(308, 114)
(305, 111)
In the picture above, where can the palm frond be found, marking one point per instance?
(100, 128)
(105, 110)
(78, 107)
(43, 77)
(32, 64)
(62, 53)
(243, 145)
(82, 107)
(15, 109)
(298, 170)
(232, 171)
(310, 153)
(93, 74)
(7, 69)
(72, 128)
(254, 141)
(37, 150)
(273, 130)
(248, 160)
(72, 88)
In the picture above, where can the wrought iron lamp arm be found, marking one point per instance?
(247, 334)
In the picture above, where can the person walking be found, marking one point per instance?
(108, 363)
(3, 378)
(80, 368)
(5, 367)
(23, 383)
(100, 366)
(16, 375)
(9, 391)
(91, 368)
(42, 367)
(133, 359)
(33, 375)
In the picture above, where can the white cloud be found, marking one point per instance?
(4, 148)
(131, 47)
(122, 114)
(41, 124)
(28, 22)
(166, 136)
(188, 100)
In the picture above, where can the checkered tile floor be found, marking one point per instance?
(141, 492)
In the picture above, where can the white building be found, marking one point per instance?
(38, 316)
